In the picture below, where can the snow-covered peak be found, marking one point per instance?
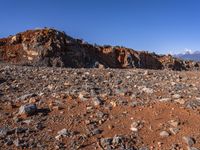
(188, 51)
(189, 55)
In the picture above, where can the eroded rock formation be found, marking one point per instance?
(49, 47)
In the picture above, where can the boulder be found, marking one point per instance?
(28, 110)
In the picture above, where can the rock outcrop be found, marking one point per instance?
(49, 47)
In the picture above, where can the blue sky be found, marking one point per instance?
(162, 26)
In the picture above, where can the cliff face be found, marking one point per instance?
(49, 47)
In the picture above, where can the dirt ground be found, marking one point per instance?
(98, 109)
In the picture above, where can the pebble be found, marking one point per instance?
(106, 141)
(84, 96)
(176, 96)
(9, 142)
(117, 139)
(144, 148)
(189, 140)
(96, 131)
(134, 126)
(39, 126)
(164, 134)
(174, 130)
(146, 72)
(17, 142)
(27, 121)
(174, 123)
(97, 101)
(63, 133)
(193, 104)
(180, 101)
(3, 131)
(165, 99)
(147, 90)
(192, 148)
(110, 127)
(20, 130)
(28, 109)
(26, 96)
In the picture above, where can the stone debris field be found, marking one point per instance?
(103, 109)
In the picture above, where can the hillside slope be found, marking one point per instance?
(49, 47)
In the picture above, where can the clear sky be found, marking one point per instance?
(162, 26)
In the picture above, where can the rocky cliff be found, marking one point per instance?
(49, 47)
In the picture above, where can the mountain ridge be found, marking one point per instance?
(52, 48)
(193, 56)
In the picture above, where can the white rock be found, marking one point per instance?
(63, 132)
(165, 99)
(147, 90)
(97, 101)
(180, 101)
(174, 123)
(188, 140)
(164, 134)
(176, 96)
(134, 126)
(174, 130)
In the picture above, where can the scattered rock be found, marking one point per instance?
(64, 132)
(39, 126)
(144, 148)
(17, 142)
(164, 134)
(84, 96)
(114, 114)
(97, 101)
(26, 96)
(96, 131)
(193, 148)
(20, 130)
(28, 109)
(117, 140)
(193, 104)
(180, 101)
(174, 130)
(176, 96)
(135, 126)
(165, 100)
(106, 141)
(9, 142)
(174, 123)
(5, 131)
(147, 90)
(189, 140)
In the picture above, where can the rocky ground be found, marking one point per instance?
(129, 109)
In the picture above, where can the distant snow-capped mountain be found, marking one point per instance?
(189, 55)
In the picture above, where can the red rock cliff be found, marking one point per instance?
(49, 47)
